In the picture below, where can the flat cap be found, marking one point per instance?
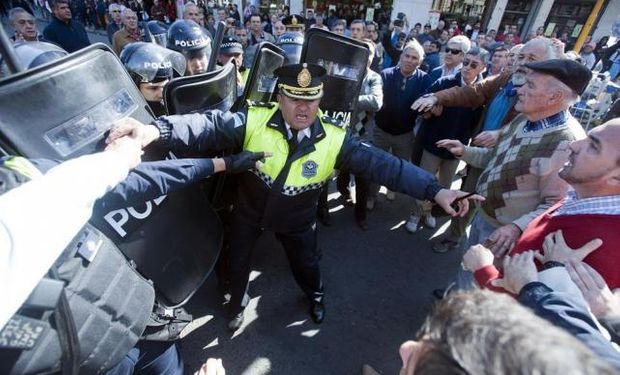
(301, 81)
(571, 73)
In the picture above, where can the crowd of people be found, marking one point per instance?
(545, 191)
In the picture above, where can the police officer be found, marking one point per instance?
(157, 32)
(187, 37)
(294, 23)
(292, 43)
(232, 50)
(151, 67)
(282, 195)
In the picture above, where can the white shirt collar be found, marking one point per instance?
(300, 135)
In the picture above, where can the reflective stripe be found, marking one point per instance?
(22, 166)
(310, 171)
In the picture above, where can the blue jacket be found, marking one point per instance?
(70, 36)
(432, 61)
(396, 116)
(256, 203)
(564, 311)
(453, 123)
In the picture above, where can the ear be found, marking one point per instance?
(614, 179)
(556, 97)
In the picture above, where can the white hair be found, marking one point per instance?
(463, 42)
(414, 44)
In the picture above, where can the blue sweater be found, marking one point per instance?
(396, 116)
(70, 36)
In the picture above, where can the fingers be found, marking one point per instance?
(548, 243)
(499, 283)
(581, 277)
(539, 257)
(586, 249)
(596, 277)
(463, 207)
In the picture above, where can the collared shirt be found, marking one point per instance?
(573, 205)
(301, 134)
(448, 72)
(499, 107)
(552, 121)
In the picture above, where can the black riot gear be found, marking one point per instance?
(151, 66)
(187, 37)
(33, 54)
(157, 32)
(292, 44)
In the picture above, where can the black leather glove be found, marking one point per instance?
(242, 161)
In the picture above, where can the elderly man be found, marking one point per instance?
(456, 49)
(130, 33)
(402, 84)
(70, 35)
(24, 25)
(520, 175)
(115, 11)
(281, 195)
(591, 210)
(498, 94)
(358, 29)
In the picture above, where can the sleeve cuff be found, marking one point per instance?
(432, 189)
(165, 129)
(485, 274)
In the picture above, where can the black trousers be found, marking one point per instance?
(362, 189)
(300, 247)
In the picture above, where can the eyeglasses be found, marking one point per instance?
(472, 64)
(453, 51)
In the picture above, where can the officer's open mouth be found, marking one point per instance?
(301, 117)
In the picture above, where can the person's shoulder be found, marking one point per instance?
(325, 119)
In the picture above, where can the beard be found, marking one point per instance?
(158, 108)
(518, 78)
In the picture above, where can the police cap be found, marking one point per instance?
(293, 22)
(301, 81)
(230, 45)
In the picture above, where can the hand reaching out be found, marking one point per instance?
(519, 270)
(603, 302)
(556, 249)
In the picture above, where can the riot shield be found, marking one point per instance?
(345, 60)
(261, 82)
(212, 90)
(61, 110)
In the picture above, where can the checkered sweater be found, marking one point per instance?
(520, 179)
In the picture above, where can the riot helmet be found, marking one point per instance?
(187, 37)
(151, 67)
(33, 54)
(157, 32)
(292, 44)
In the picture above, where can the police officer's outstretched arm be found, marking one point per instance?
(398, 175)
(212, 131)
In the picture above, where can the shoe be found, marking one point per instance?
(317, 312)
(236, 322)
(368, 370)
(429, 221)
(362, 224)
(412, 224)
(444, 245)
(323, 216)
(370, 204)
(390, 195)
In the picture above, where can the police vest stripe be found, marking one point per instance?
(310, 171)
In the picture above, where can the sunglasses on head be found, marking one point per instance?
(472, 64)
(453, 51)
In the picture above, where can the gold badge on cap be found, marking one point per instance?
(294, 21)
(304, 77)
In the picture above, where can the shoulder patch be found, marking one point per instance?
(332, 121)
(253, 103)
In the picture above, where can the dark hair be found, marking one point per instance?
(372, 23)
(58, 2)
(358, 21)
(483, 332)
(500, 49)
(436, 44)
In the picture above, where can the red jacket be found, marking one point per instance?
(577, 230)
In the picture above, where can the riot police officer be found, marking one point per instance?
(281, 196)
(151, 67)
(232, 50)
(292, 43)
(157, 32)
(187, 37)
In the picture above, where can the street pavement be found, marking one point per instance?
(378, 287)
